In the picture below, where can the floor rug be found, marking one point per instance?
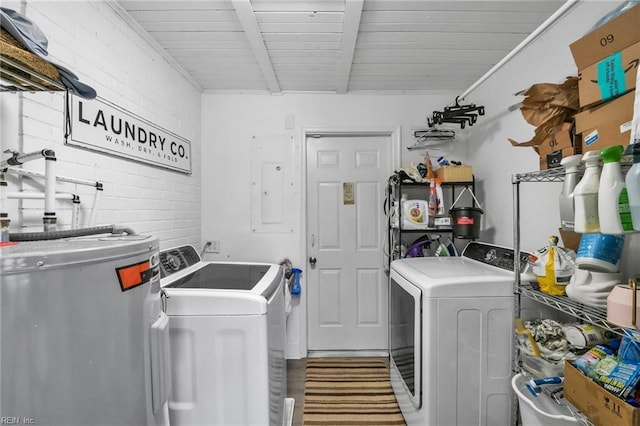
(349, 391)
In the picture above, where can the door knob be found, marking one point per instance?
(312, 261)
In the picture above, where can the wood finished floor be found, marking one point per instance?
(295, 386)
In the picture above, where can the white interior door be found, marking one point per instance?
(347, 285)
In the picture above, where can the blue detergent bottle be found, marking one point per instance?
(295, 288)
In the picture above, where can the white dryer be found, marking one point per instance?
(451, 337)
(227, 338)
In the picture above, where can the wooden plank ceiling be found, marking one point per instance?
(337, 46)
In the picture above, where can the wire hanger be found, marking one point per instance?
(426, 138)
(458, 114)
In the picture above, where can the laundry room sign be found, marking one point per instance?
(103, 126)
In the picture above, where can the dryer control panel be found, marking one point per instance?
(177, 259)
(500, 257)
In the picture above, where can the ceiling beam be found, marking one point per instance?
(351, 24)
(250, 27)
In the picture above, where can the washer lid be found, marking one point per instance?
(222, 288)
(222, 276)
(454, 277)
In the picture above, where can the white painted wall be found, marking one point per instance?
(94, 42)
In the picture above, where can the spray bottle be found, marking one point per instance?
(613, 203)
(567, 211)
(633, 187)
(585, 195)
(433, 199)
(295, 288)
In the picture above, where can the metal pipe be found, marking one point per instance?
(546, 24)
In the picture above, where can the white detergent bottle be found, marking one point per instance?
(613, 203)
(441, 210)
(586, 195)
(633, 187)
(567, 211)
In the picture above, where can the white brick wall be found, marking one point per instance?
(94, 42)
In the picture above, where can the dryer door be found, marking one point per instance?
(405, 331)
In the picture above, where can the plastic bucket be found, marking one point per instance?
(465, 222)
(541, 410)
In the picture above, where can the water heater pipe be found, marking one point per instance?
(16, 159)
(30, 195)
(49, 219)
(67, 179)
(3, 195)
(97, 185)
(97, 199)
(4, 215)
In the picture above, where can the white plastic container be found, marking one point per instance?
(613, 202)
(565, 200)
(586, 195)
(633, 188)
(415, 214)
(600, 252)
(540, 410)
(441, 209)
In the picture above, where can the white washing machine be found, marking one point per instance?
(451, 337)
(227, 338)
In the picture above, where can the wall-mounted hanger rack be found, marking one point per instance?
(426, 138)
(458, 114)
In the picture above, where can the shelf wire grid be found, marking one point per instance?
(578, 310)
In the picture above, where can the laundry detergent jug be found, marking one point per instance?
(585, 195)
(415, 214)
(613, 202)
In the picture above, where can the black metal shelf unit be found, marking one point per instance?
(397, 234)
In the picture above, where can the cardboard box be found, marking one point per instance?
(606, 124)
(615, 35)
(570, 239)
(552, 159)
(610, 77)
(563, 138)
(461, 173)
(600, 406)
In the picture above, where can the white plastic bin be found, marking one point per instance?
(541, 410)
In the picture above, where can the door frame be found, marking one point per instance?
(394, 134)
